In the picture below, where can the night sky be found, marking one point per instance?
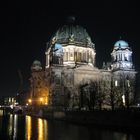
(26, 27)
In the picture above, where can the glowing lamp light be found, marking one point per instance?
(46, 103)
(16, 103)
(41, 99)
(29, 100)
(116, 83)
(123, 99)
(11, 106)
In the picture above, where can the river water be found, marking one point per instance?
(18, 127)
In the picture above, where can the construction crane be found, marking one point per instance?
(20, 88)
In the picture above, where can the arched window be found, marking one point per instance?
(130, 58)
(71, 56)
(79, 56)
(84, 57)
(120, 57)
(87, 56)
(65, 56)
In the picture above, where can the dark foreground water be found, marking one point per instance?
(17, 127)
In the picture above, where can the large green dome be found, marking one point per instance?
(72, 34)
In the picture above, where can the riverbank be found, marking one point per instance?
(127, 119)
(115, 119)
(21, 127)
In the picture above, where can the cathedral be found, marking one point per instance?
(72, 81)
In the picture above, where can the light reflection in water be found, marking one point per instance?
(28, 130)
(15, 126)
(1, 112)
(42, 129)
(45, 130)
(10, 126)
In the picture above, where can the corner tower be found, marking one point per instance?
(38, 89)
(122, 56)
(123, 73)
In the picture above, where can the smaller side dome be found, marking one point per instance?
(121, 44)
(36, 65)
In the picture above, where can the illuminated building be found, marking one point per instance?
(7, 101)
(123, 72)
(73, 80)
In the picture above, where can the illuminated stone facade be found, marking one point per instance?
(39, 89)
(73, 81)
(124, 74)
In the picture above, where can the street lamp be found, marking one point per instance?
(30, 101)
(41, 100)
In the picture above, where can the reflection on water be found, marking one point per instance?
(17, 127)
(42, 129)
(31, 131)
(10, 125)
(28, 127)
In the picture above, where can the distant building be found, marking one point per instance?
(8, 100)
(73, 81)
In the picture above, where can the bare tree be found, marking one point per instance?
(91, 95)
